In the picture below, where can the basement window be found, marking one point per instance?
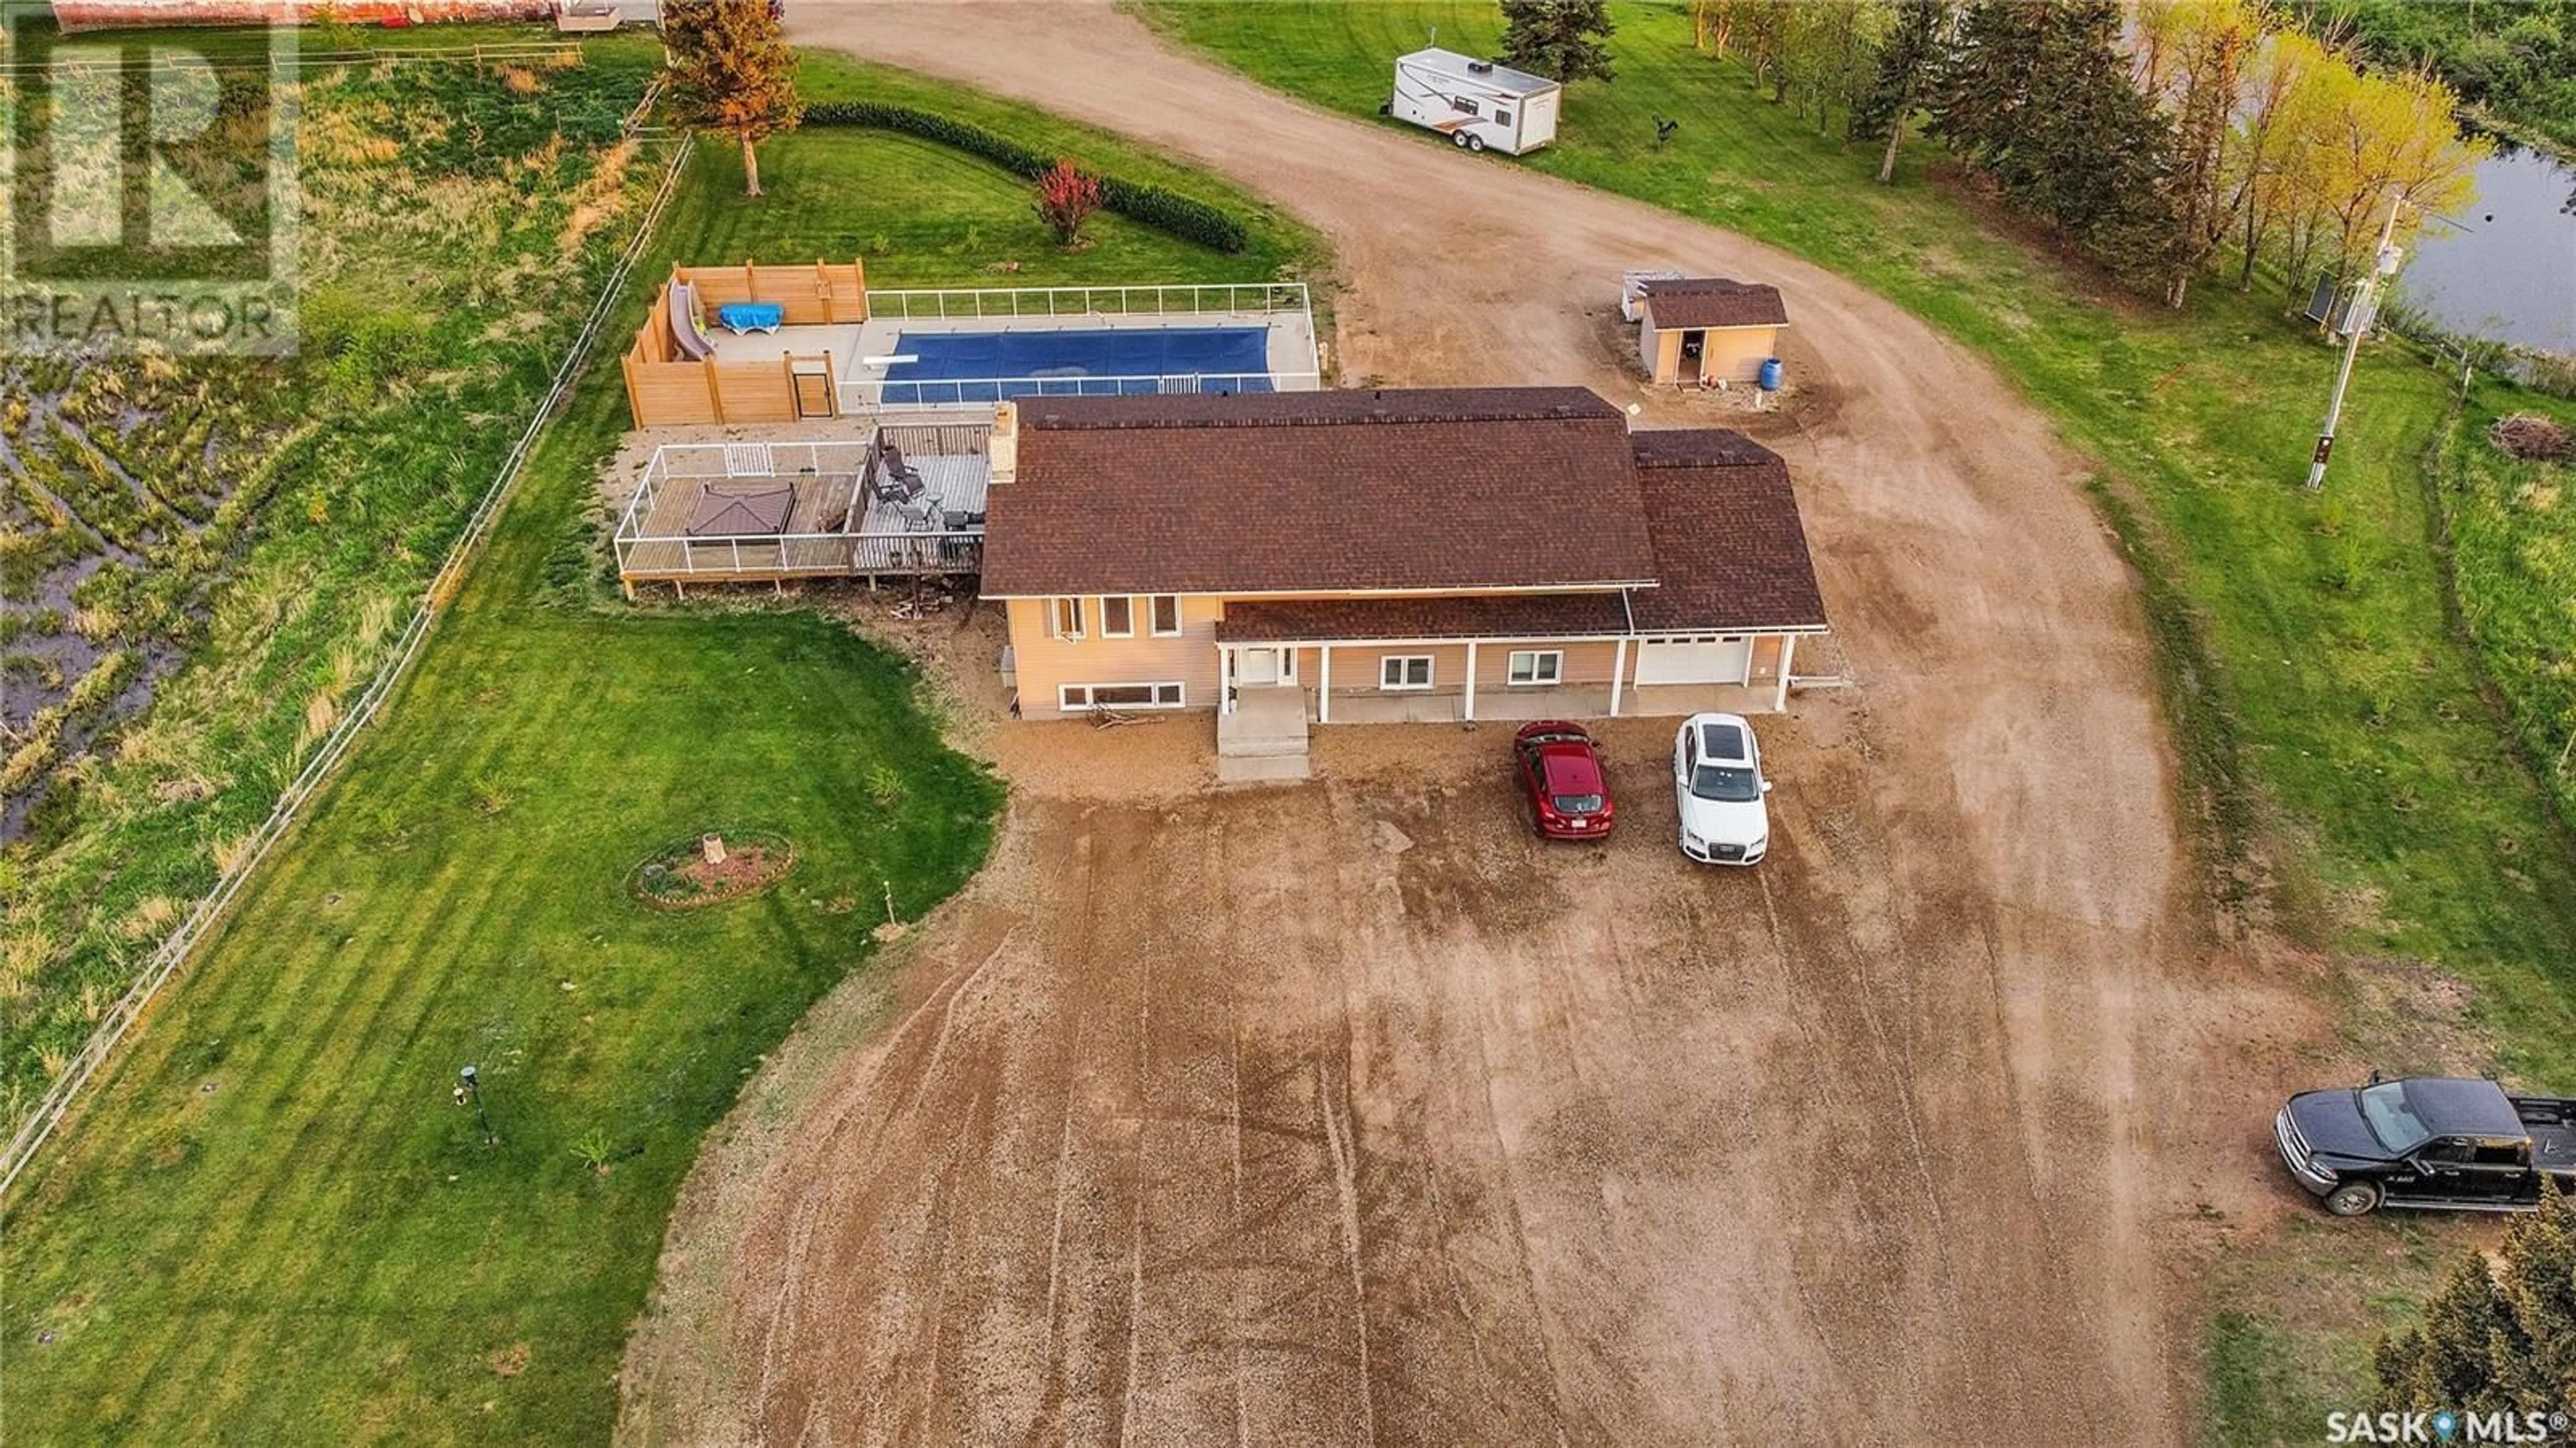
(1075, 698)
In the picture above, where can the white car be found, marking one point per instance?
(1718, 788)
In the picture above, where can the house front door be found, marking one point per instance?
(1260, 668)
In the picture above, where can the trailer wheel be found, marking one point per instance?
(1475, 143)
(2353, 1199)
(1459, 139)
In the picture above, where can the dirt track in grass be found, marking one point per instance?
(1345, 1112)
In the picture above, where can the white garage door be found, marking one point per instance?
(1701, 659)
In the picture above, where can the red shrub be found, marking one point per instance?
(1066, 198)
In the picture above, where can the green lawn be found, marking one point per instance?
(2357, 785)
(2513, 529)
(271, 1224)
(246, 536)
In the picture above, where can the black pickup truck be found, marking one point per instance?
(2427, 1141)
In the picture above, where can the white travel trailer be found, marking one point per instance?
(1475, 103)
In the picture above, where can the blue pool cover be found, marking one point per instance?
(989, 366)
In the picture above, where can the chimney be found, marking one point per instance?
(1004, 455)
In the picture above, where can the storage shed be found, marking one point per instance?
(1707, 330)
(1475, 103)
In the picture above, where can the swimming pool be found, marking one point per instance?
(951, 367)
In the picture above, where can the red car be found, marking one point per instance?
(1560, 770)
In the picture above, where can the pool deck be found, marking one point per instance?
(1292, 357)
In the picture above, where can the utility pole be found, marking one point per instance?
(2360, 314)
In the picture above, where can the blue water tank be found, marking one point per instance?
(1770, 374)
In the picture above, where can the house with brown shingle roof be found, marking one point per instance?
(1699, 331)
(1418, 554)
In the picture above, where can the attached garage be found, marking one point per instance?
(1695, 659)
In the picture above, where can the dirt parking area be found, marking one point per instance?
(1351, 1112)
(1347, 1112)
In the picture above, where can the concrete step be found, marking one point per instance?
(1262, 768)
(1261, 746)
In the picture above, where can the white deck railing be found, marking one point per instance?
(869, 394)
(1177, 299)
(814, 554)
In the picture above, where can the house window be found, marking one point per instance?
(1118, 617)
(1064, 620)
(1404, 671)
(1075, 698)
(1166, 610)
(1537, 666)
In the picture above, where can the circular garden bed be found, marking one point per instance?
(711, 868)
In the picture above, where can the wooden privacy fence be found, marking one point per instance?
(666, 388)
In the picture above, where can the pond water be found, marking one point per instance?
(2510, 273)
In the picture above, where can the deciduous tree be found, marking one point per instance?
(2262, 159)
(731, 72)
(1830, 55)
(2193, 62)
(1066, 199)
(1712, 24)
(1761, 32)
(1564, 40)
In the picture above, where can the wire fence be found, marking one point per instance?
(171, 59)
(165, 961)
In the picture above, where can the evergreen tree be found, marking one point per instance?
(2495, 1338)
(1564, 40)
(732, 72)
(2038, 97)
(1984, 82)
(1908, 66)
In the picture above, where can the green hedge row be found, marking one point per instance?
(1161, 209)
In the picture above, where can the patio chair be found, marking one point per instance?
(895, 466)
(894, 491)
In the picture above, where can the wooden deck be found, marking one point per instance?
(835, 528)
(822, 503)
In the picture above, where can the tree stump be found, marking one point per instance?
(712, 847)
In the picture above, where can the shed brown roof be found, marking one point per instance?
(1433, 489)
(1714, 302)
(1519, 616)
(1730, 551)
